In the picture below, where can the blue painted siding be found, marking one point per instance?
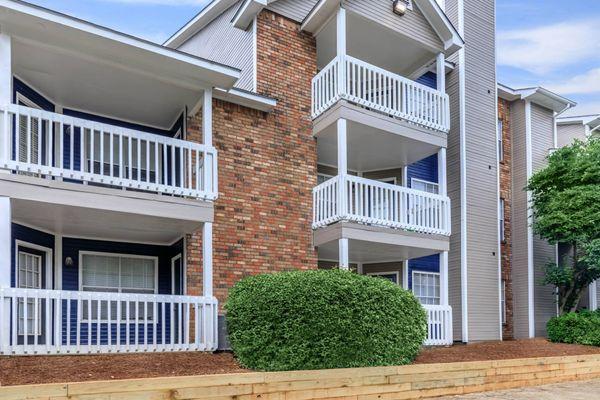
(72, 248)
(425, 264)
(31, 94)
(429, 79)
(426, 169)
(29, 235)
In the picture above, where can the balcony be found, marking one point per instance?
(439, 325)
(371, 202)
(373, 88)
(38, 321)
(45, 144)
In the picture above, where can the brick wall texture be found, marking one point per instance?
(506, 194)
(267, 167)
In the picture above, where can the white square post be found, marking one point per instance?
(440, 70)
(443, 188)
(5, 270)
(344, 260)
(5, 91)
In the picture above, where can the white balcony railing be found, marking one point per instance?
(69, 322)
(439, 325)
(377, 203)
(54, 145)
(369, 86)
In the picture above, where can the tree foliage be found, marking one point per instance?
(565, 198)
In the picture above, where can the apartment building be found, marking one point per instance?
(527, 133)
(142, 181)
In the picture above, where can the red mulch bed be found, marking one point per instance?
(55, 369)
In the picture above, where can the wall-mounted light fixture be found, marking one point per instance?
(399, 7)
(68, 262)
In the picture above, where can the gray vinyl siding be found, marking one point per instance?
(413, 24)
(566, 134)
(482, 171)
(519, 222)
(391, 267)
(454, 176)
(542, 139)
(220, 41)
(385, 174)
(295, 10)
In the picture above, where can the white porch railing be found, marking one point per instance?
(48, 144)
(439, 325)
(377, 203)
(71, 322)
(369, 86)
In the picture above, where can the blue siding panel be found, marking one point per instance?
(425, 264)
(429, 79)
(426, 169)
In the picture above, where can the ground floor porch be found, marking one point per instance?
(75, 288)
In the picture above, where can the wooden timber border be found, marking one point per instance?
(405, 382)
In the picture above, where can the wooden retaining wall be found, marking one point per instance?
(406, 382)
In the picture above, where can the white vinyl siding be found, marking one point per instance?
(426, 287)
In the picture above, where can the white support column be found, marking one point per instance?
(342, 159)
(207, 117)
(443, 187)
(344, 259)
(207, 259)
(5, 89)
(5, 241)
(440, 70)
(405, 275)
(5, 266)
(341, 32)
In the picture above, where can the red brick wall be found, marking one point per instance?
(267, 167)
(506, 194)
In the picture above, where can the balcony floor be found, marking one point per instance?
(371, 244)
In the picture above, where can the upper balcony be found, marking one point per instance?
(373, 88)
(46, 144)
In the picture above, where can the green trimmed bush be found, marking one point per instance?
(323, 319)
(578, 328)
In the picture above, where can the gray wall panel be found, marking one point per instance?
(220, 41)
(566, 134)
(296, 10)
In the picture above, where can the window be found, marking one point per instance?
(322, 178)
(499, 138)
(426, 287)
(120, 274)
(29, 276)
(425, 186)
(501, 217)
(503, 301)
(393, 277)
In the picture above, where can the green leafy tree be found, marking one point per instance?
(565, 197)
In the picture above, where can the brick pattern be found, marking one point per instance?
(506, 194)
(267, 167)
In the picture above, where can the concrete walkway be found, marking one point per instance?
(582, 390)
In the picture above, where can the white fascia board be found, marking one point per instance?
(246, 13)
(246, 99)
(537, 95)
(203, 18)
(441, 24)
(7, 7)
(319, 15)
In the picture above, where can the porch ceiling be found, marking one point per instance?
(87, 67)
(375, 141)
(373, 43)
(361, 251)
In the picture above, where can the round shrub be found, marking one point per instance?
(323, 319)
(578, 328)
